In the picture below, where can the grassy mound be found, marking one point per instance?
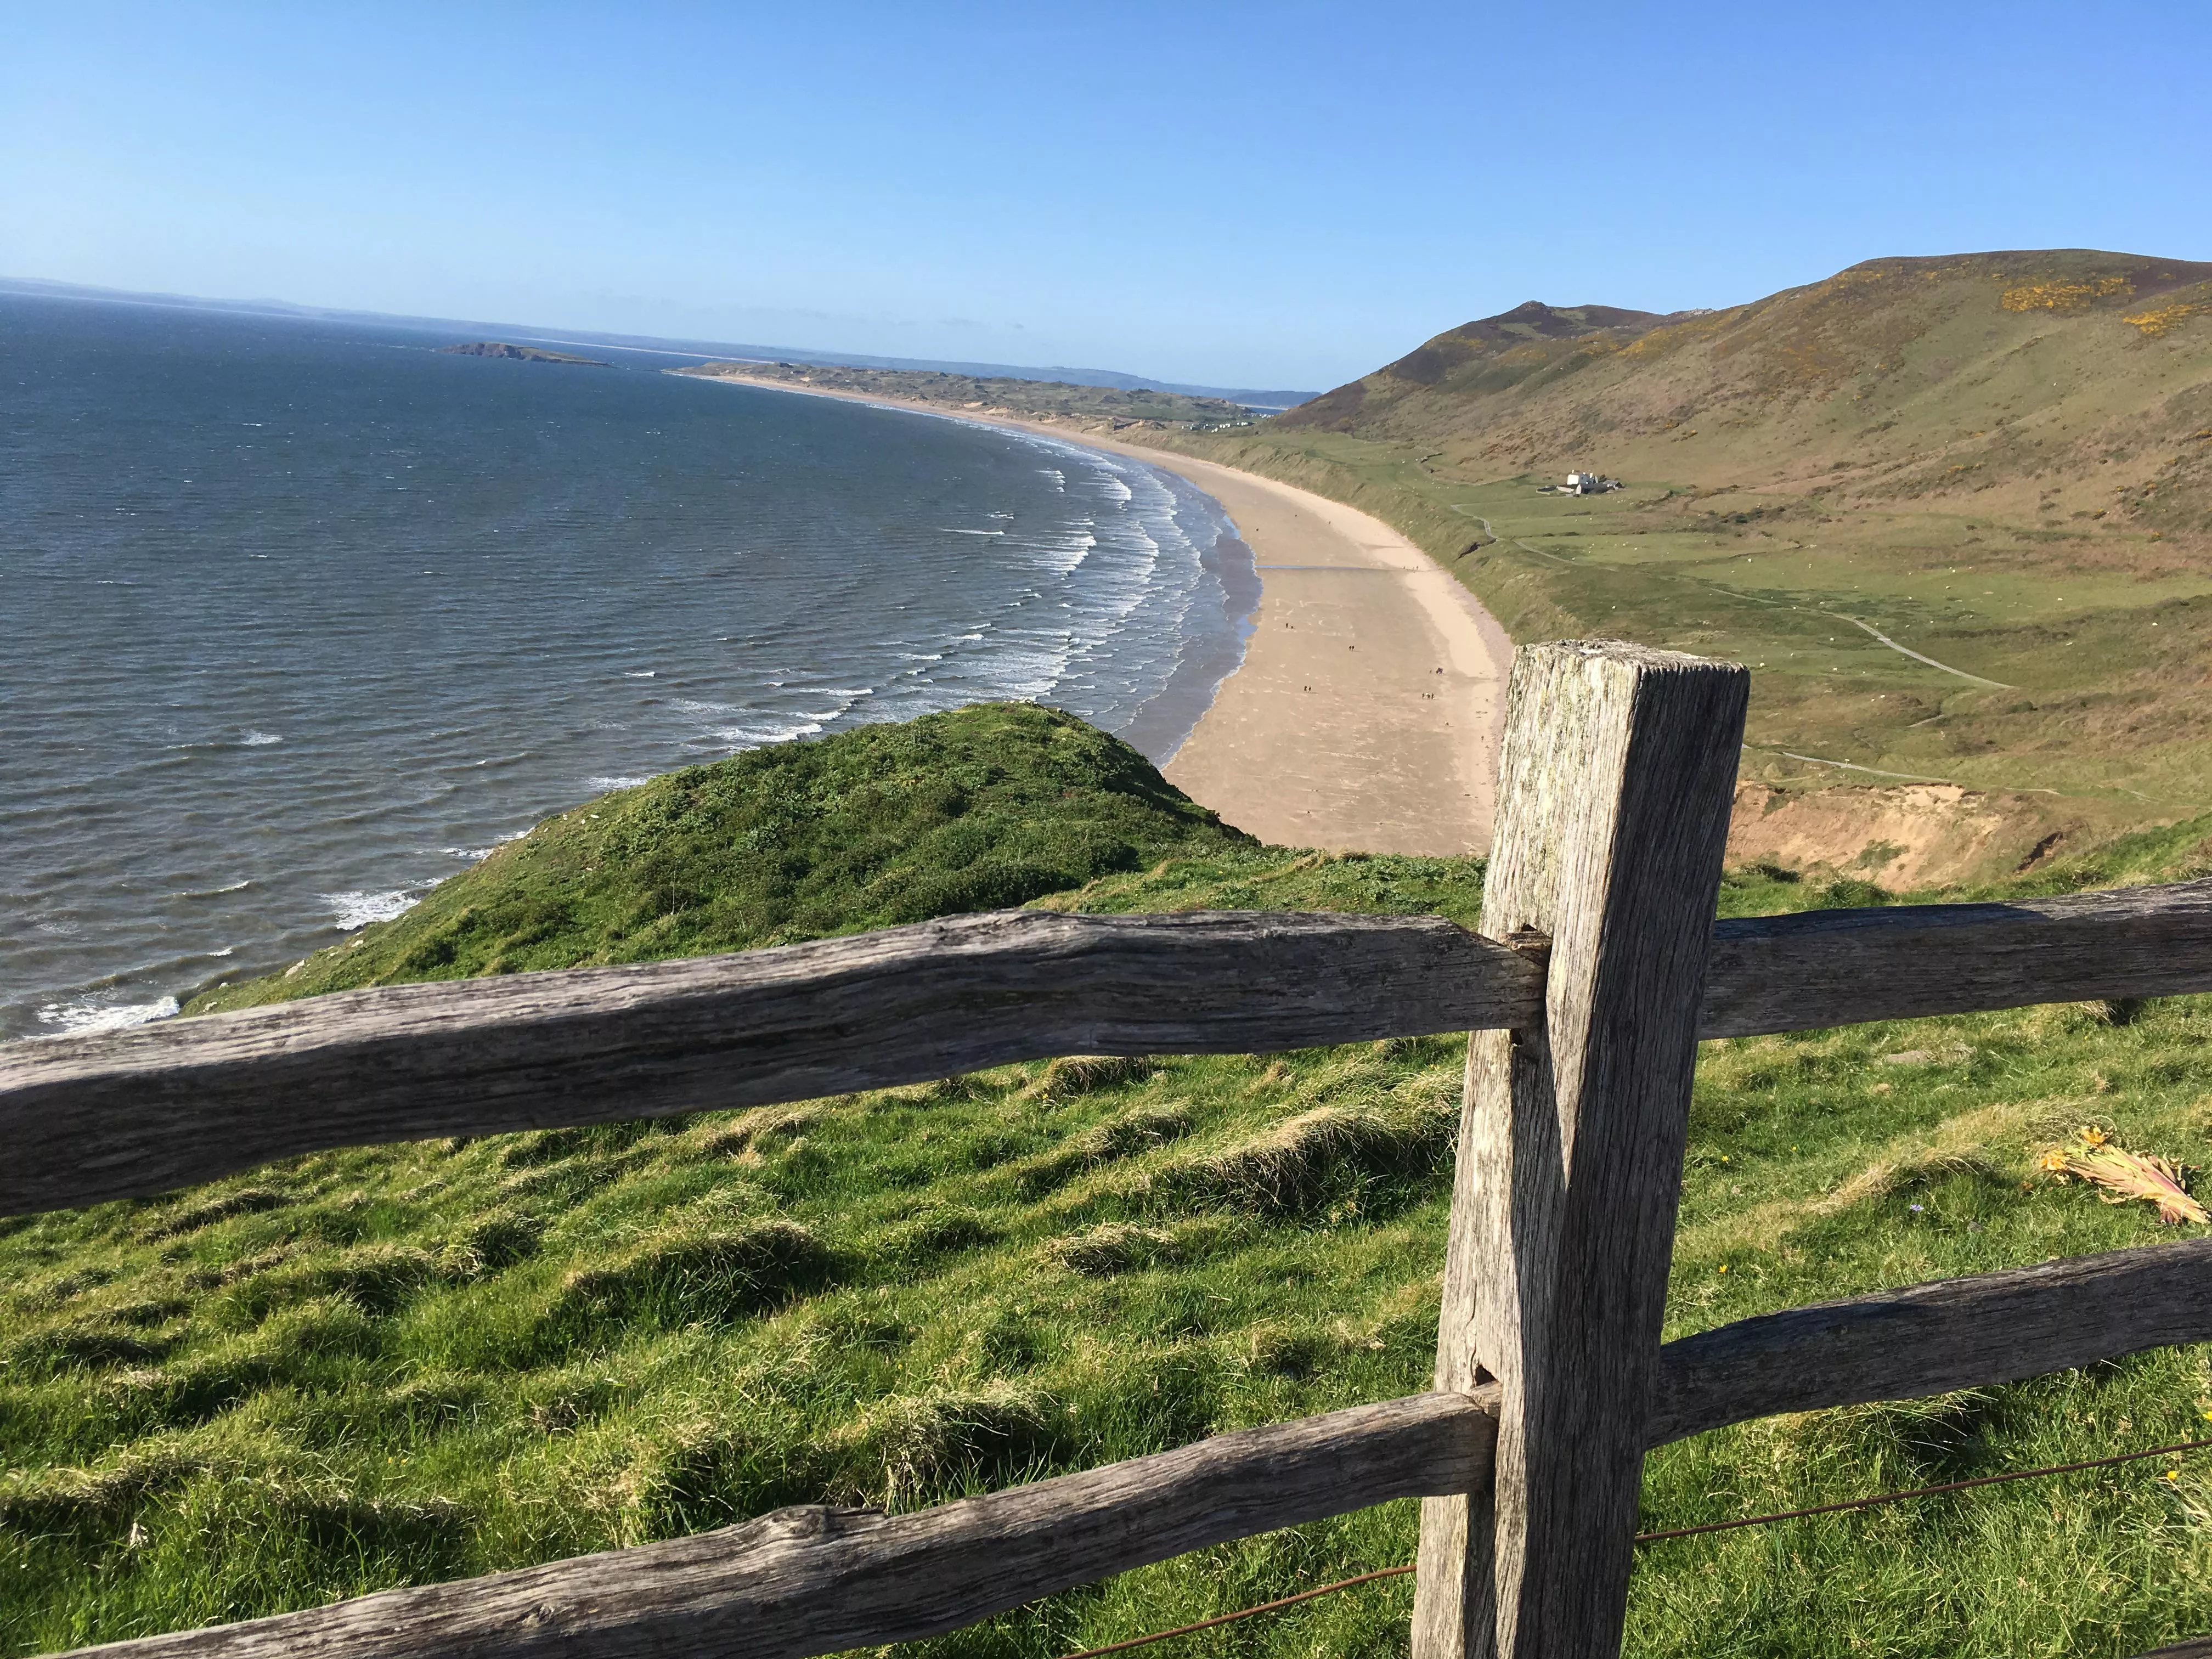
(979, 809)
(380, 1366)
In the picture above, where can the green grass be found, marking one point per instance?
(395, 1365)
(977, 809)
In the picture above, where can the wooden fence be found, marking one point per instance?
(1597, 970)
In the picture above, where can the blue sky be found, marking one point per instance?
(1230, 194)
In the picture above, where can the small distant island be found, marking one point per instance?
(1054, 402)
(518, 353)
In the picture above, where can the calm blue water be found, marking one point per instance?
(302, 616)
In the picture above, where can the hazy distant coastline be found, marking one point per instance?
(645, 344)
(1111, 408)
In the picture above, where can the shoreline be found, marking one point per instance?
(1366, 713)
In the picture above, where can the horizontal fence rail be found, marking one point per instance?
(1822, 967)
(129, 1114)
(1931, 1339)
(815, 1580)
(87, 1119)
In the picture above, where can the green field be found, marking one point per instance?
(394, 1365)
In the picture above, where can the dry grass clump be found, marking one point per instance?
(59, 1292)
(939, 1230)
(2074, 1018)
(566, 1180)
(1129, 1136)
(1300, 1164)
(560, 1402)
(1114, 1246)
(1987, 1145)
(497, 1239)
(908, 1449)
(438, 1398)
(67, 1497)
(248, 1472)
(2059, 1020)
(246, 1200)
(213, 1278)
(1080, 1074)
(1139, 1131)
(540, 1146)
(711, 1276)
(93, 1340)
(291, 1342)
(1291, 1351)
(1965, 1145)
(1887, 1177)
(753, 1131)
(1943, 1054)
(379, 1278)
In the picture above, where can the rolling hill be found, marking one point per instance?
(2038, 383)
(1956, 512)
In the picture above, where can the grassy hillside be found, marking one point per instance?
(2002, 462)
(984, 807)
(995, 394)
(365, 1368)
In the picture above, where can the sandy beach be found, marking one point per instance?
(1367, 712)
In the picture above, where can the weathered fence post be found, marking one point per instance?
(1613, 806)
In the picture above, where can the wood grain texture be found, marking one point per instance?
(1837, 966)
(1930, 1338)
(1613, 793)
(820, 1580)
(128, 1114)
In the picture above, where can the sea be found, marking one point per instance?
(303, 615)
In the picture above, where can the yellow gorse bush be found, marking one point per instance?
(2164, 320)
(2064, 297)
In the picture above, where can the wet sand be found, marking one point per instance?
(1367, 712)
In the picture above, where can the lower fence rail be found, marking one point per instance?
(816, 1579)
